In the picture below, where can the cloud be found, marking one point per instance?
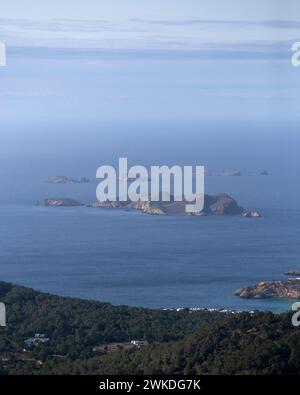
(214, 38)
(268, 51)
(282, 24)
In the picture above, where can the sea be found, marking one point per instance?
(130, 258)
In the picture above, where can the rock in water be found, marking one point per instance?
(264, 173)
(65, 202)
(271, 289)
(292, 273)
(67, 180)
(251, 214)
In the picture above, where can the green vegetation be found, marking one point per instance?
(180, 342)
(75, 326)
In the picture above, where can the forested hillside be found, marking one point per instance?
(177, 342)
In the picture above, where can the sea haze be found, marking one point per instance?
(131, 258)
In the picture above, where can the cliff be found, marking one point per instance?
(271, 289)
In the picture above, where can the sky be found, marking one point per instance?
(192, 59)
(145, 23)
(167, 9)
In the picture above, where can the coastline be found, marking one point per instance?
(49, 334)
(60, 253)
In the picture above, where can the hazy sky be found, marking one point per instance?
(170, 9)
(211, 59)
(147, 23)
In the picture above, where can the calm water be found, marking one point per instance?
(135, 259)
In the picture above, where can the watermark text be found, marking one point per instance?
(296, 55)
(2, 54)
(2, 314)
(176, 183)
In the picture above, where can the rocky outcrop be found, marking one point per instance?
(220, 204)
(292, 273)
(224, 173)
(271, 289)
(251, 214)
(264, 173)
(65, 202)
(148, 208)
(67, 180)
(84, 180)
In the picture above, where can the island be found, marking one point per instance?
(251, 214)
(224, 174)
(220, 204)
(271, 289)
(67, 180)
(264, 173)
(292, 273)
(61, 202)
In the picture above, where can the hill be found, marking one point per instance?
(176, 341)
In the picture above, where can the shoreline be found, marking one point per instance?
(35, 272)
(191, 309)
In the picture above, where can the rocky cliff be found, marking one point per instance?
(271, 289)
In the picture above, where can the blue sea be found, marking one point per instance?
(140, 260)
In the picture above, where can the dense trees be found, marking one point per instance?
(180, 342)
(75, 326)
(261, 344)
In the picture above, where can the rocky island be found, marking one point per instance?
(220, 204)
(67, 180)
(271, 289)
(251, 214)
(292, 273)
(264, 173)
(224, 173)
(62, 202)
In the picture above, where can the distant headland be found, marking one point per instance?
(289, 288)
